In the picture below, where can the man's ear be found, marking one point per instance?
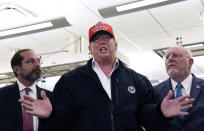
(116, 45)
(90, 49)
(191, 61)
(16, 69)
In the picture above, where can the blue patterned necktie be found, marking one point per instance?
(179, 86)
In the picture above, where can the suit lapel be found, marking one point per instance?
(195, 88)
(38, 92)
(166, 88)
(15, 95)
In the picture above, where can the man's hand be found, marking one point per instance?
(174, 107)
(40, 108)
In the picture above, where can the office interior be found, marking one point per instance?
(58, 32)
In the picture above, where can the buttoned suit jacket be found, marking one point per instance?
(11, 110)
(195, 119)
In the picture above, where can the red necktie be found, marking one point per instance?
(27, 118)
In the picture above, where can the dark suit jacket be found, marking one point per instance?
(11, 110)
(195, 120)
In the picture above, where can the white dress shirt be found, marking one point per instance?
(187, 83)
(32, 93)
(105, 81)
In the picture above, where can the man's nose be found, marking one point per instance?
(38, 63)
(101, 41)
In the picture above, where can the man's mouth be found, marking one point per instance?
(103, 49)
(171, 65)
(37, 70)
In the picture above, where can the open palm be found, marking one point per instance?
(41, 108)
(174, 107)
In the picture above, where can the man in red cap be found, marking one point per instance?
(105, 95)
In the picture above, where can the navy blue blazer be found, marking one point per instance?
(195, 119)
(11, 110)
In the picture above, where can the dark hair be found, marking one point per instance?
(17, 58)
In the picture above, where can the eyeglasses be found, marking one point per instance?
(174, 55)
(33, 61)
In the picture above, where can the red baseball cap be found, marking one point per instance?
(100, 26)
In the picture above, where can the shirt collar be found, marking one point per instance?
(186, 82)
(116, 64)
(22, 87)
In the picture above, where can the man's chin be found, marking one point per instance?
(34, 78)
(173, 73)
(36, 75)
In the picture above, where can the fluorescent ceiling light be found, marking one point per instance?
(3, 75)
(26, 28)
(34, 27)
(197, 49)
(125, 8)
(137, 4)
(192, 46)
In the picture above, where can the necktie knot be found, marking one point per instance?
(27, 91)
(179, 85)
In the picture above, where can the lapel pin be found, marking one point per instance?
(131, 89)
(197, 86)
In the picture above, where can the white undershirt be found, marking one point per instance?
(187, 83)
(105, 81)
(32, 93)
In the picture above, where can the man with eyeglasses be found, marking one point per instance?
(178, 62)
(104, 95)
(26, 67)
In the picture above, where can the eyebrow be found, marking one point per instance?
(32, 58)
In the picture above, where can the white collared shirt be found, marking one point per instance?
(187, 83)
(105, 81)
(32, 93)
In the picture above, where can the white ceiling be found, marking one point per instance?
(137, 33)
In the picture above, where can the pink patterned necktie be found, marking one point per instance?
(27, 118)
